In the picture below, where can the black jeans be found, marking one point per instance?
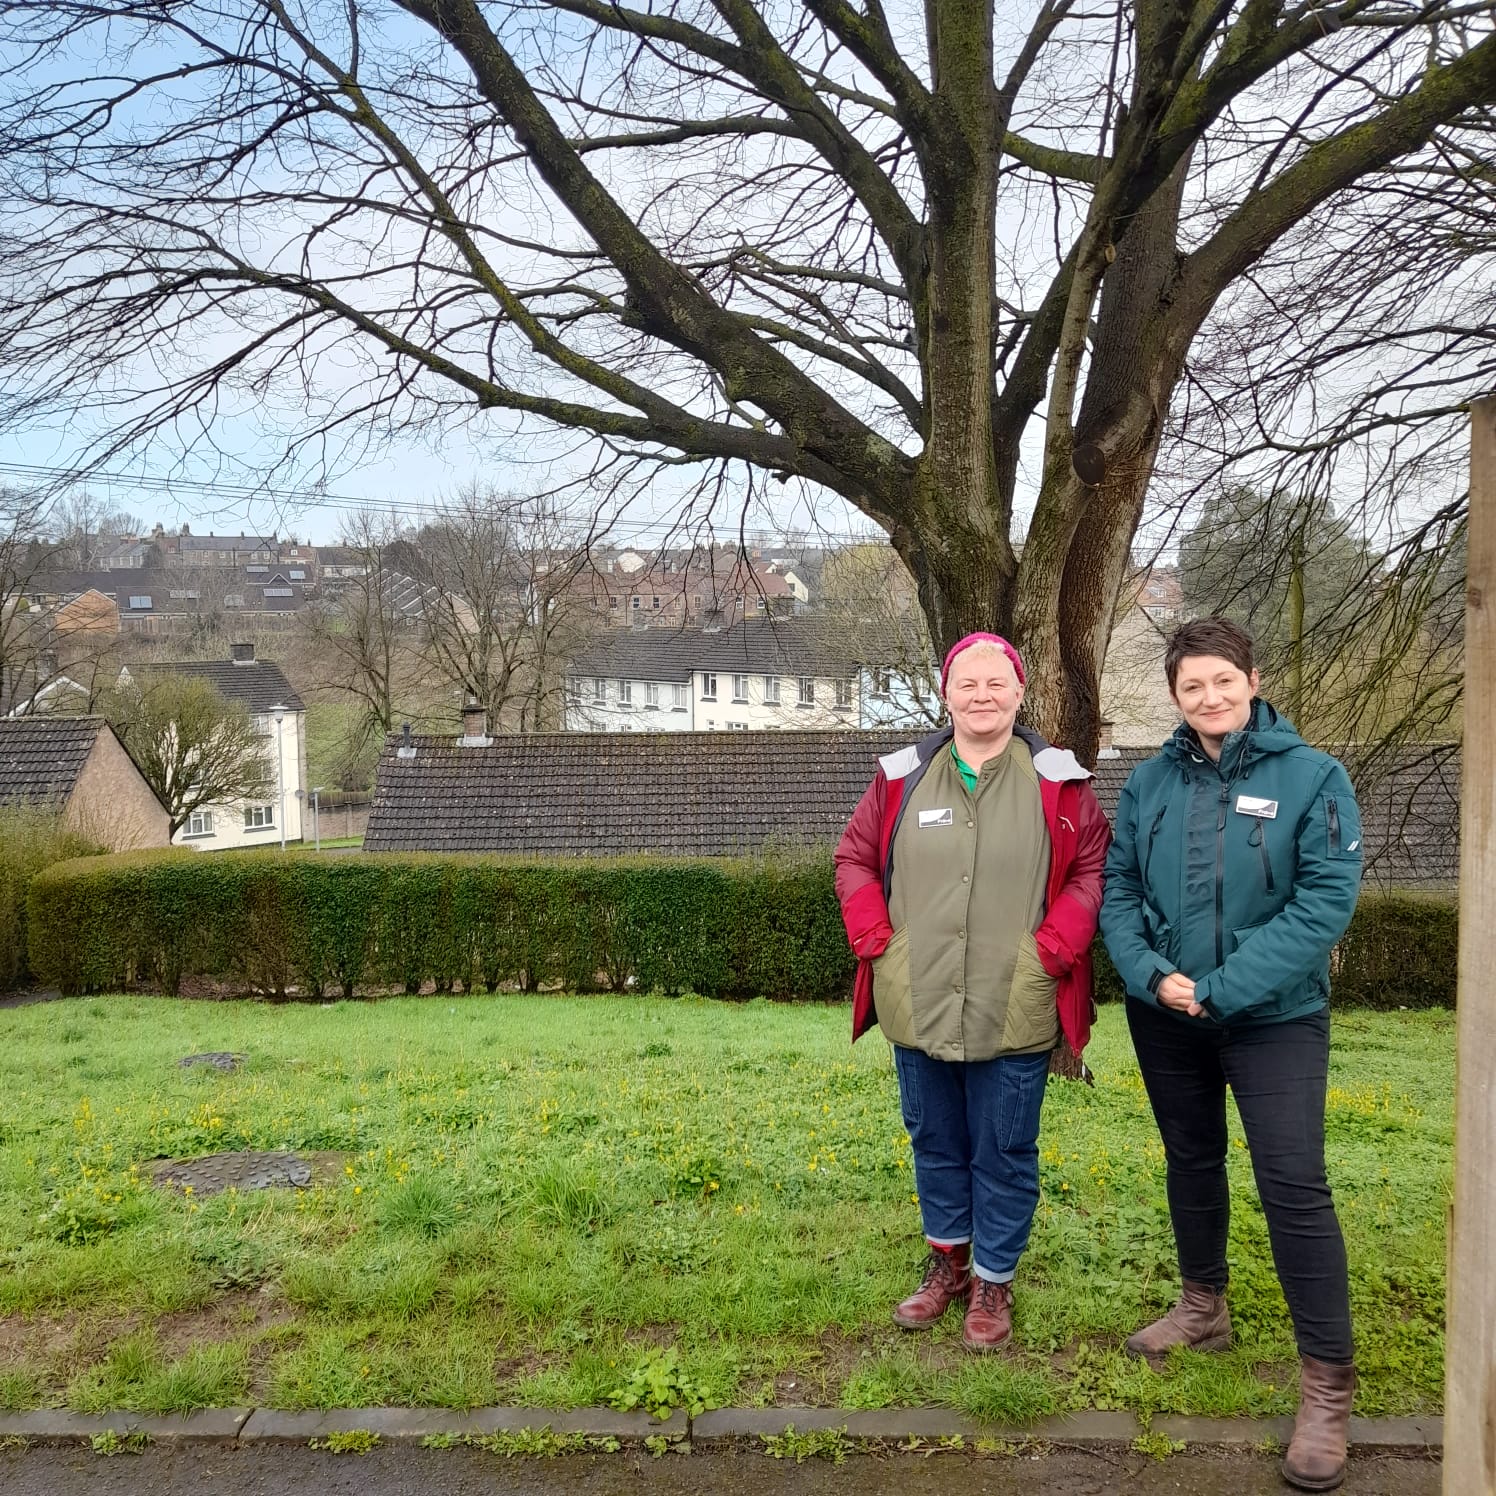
(1277, 1073)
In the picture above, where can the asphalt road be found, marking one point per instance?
(404, 1471)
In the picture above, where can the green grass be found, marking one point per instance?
(547, 1201)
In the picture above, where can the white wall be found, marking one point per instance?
(708, 713)
(228, 820)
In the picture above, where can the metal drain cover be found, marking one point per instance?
(215, 1172)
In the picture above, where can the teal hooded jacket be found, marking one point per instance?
(1241, 874)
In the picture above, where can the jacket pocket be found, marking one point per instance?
(1033, 1018)
(893, 993)
(1342, 829)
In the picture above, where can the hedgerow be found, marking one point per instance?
(349, 925)
(749, 927)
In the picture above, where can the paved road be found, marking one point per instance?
(404, 1471)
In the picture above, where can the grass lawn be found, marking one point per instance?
(567, 1201)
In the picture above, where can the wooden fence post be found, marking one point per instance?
(1470, 1336)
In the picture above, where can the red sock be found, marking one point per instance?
(959, 1253)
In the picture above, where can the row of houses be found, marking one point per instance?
(75, 764)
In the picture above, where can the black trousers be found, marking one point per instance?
(1277, 1073)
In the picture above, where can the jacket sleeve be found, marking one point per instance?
(1299, 937)
(1069, 923)
(859, 874)
(1123, 927)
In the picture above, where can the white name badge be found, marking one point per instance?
(1250, 805)
(936, 818)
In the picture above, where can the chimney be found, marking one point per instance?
(474, 726)
(1105, 749)
(407, 749)
(244, 654)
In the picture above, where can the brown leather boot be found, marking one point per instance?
(947, 1278)
(1316, 1454)
(1200, 1321)
(989, 1315)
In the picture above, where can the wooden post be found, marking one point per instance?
(1470, 1336)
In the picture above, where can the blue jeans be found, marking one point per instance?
(975, 1129)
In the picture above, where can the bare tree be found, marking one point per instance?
(507, 602)
(874, 251)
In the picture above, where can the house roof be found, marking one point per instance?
(259, 684)
(755, 646)
(712, 794)
(41, 757)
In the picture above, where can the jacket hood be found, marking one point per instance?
(1267, 732)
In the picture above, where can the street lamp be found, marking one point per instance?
(280, 778)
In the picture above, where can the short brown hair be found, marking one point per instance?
(1208, 636)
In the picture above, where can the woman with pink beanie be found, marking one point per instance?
(970, 879)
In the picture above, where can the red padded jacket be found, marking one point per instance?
(1078, 835)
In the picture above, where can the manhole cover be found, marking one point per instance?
(215, 1172)
(218, 1059)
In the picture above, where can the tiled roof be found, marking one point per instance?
(757, 646)
(259, 684)
(42, 757)
(709, 794)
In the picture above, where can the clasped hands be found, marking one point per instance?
(1178, 991)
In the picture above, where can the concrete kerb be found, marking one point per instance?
(246, 1426)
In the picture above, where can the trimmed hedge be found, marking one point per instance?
(752, 927)
(742, 928)
(31, 838)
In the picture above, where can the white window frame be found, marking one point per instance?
(259, 818)
(140, 600)
(843, 694)
(680, 697)
(200, 823)
(625, 693)
(636, 602)
(599, 688)
(806, 686)
(651, 695)
(771, 690)
(740, 688)
(708, 685)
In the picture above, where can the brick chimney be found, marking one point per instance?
(1105, 749)
(474, 726)
(244, 654)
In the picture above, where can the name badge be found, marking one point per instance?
(936, 818)
(1250, 805)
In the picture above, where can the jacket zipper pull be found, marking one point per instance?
(1332, 820)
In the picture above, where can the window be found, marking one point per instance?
(200, 823)
(880, 681)
(253, 570)
(625, 693)
(807, 691)
(298, 575)
(599, 688)
(708, 685)
(636, 602)
(771, 690)
(233, 599)
(140, 602)
(654, 603)
(652, 695)
(182, 594)
(613, 603)
(737, 726)
(844, 693)
(678, 695)
(740, 688)
(279, 592)
(259, 817)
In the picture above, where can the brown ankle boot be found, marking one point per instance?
(989, 1315)
(1316, 1454)
(1200, 1321)
(947, 1278)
